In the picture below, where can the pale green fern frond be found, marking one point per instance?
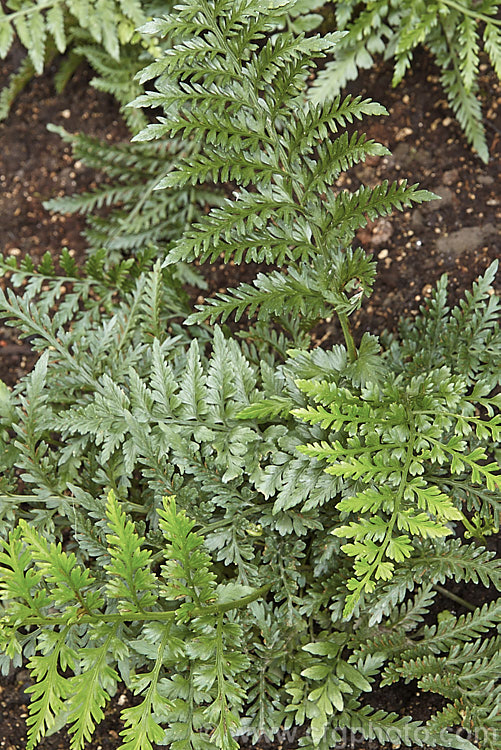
(399, 499)
(130, 580)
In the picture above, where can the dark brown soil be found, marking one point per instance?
(459, 235)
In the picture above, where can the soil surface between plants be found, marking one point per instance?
(458, 235)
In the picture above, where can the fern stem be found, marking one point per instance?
(470, 13)
(221, 693)
(350, 344)
(163, 616)
(454, 597)
(27, 11)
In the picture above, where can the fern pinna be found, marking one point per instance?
(140, 215)
(237, 610)
(88, 632)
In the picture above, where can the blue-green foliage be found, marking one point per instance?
(140, 216)
(215, 429)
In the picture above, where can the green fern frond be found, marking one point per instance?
(16, 83)
(140, 214)
(492, 44)
(268, 296)
(186, 571)
(453, 32)
(467, 108)
(142, 729)
(253, 128)
(91, 690)
(51, 688)
(451, 630)
(384, 726)
(34, 22)
(464, 338)
(67, 581)
(391, 469)
(320, 120)
(130, 580)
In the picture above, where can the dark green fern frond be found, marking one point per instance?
(117, 76)
(255, 129)
(102, 31)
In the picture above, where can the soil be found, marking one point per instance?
(459, 235)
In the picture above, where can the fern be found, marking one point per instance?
(194, 629)
(455, 33)
(140, 215)
(76, 605)
(102, 32)
(17, 82)
(253, 129)
(424, 422)
(244, 605)
(183, 419)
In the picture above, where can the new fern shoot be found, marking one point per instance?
(250, 534)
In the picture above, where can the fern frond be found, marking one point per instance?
(392, 466)
(451, 630)
(268, 296)
(320, 120)
(68, 582)
(464, 338)
(51, 688)
(492, 44)
(384, 726)
(90, 691)
(17, 81)
(131, 581)
(253, 128)
(34, 22)
(142, 728)
(451, 31)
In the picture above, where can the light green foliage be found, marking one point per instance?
(84, 632)
(236, 609)
(455, 33)
(397, 443)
